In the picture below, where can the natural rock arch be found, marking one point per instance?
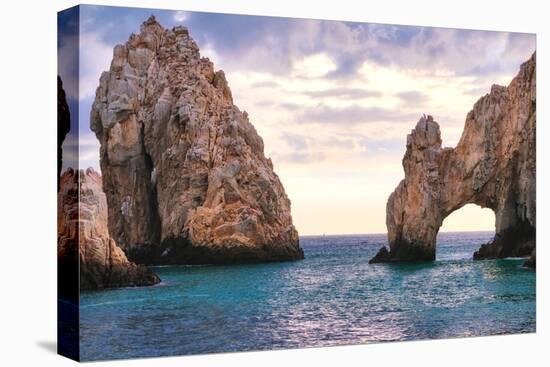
(493, 166)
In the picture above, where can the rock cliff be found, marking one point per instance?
(184, 170)
(492, 166)
(83, 233)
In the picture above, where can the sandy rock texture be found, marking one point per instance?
(83, 234)
(184, 170)
(492, 166)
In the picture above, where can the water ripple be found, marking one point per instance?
(332, 297)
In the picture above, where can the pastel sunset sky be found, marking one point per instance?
(333, 101)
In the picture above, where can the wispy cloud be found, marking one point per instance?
(372, 146)
(95, 58)
(413, 97)
(295, 141)
(333, 101)
(353, 115)
(290, 106)
(343, 92)
(181, 16)
(265, 84)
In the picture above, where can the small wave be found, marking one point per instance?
(113, 303)
(181, 266)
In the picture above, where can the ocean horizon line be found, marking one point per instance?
(385, 233)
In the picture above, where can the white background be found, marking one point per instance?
(28, 182)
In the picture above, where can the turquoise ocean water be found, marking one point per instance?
(333, 297)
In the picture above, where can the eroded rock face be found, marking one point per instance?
(83, 233)
(184, 170)
(492, 166)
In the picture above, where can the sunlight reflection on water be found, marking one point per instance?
(332, 297)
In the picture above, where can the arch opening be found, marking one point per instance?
(464, 231)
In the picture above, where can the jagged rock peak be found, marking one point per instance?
(493, 166)
(426, 134)
(83, 233)
(184, 170)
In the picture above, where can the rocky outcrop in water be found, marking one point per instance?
(83, 234)
(63, 125)
(184, 170)
(492, 166)
(531, 262)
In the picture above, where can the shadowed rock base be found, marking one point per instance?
(531, 262)
(83, 238)
(519, 242)
(181, 251)
(403, 252)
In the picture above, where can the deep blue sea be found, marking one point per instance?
(332, 297)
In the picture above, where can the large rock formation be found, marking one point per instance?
(184, 170)
(492, 166)
(63, 125)
(82, 233)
